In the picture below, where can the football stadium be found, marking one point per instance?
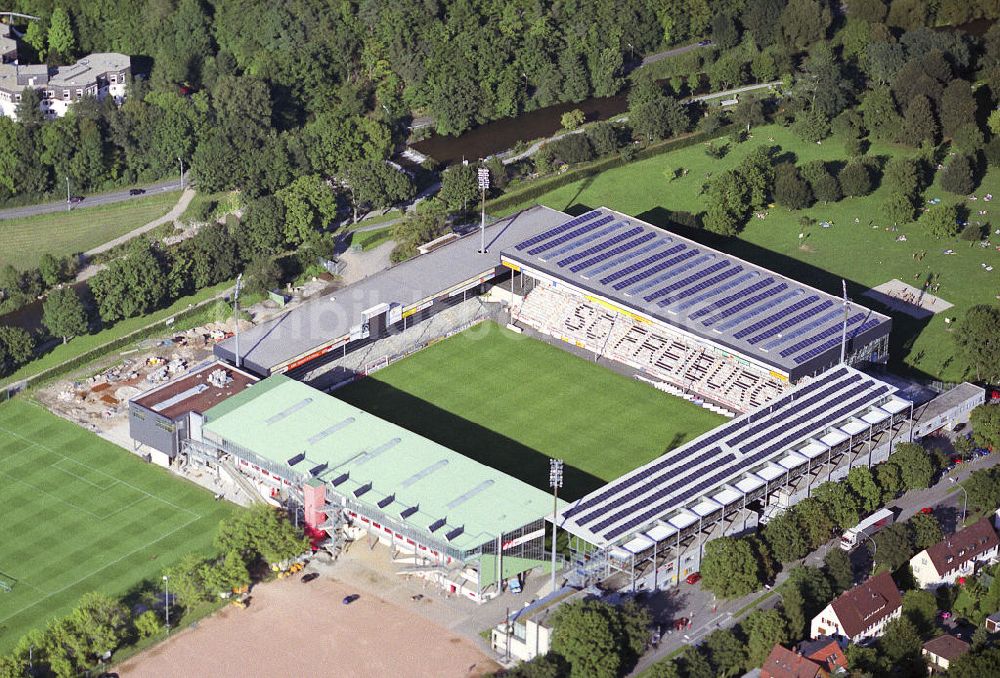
(691, 395)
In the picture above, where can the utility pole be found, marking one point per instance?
(69, 204)
(181, 161)
(236, 314)
(484, 185)
(555, 482)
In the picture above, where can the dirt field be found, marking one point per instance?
(908, 299)
(279, 636)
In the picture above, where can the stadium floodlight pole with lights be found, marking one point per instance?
(484, 184)
(555, 482)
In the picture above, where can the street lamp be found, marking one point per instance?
(874, 548)
(965, 500)
(555, 482)
(181, 161)
(69, 203)
(166, 604)
(483, 176)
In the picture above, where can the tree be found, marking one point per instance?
(983, 488)
(811, 125)
(262, 274)
(862, 484)
(603, 138)
(35, 38)
(310, 205)
(920, 607)
(980, 662)
(695, 664)
(919, 124)
(62, 44)
(379, 184)
(978, 341)
(915, 465)
(901, 641)
(100, 623)
(855, 179)
(186, 582)
(985, 423)
(148, 624)
(726, 654)
(925, 531)
(729, 568)
(597, 639)
(749, 112)
(815, 521)
(764, 630)
(882, 119)
(654, 115)
(957, 176)
(940, 220)
(459, 187)
(728, 203)
(786, 538)
(63, 314)
(549, 665)
(804, 22)
(892, 547)
(262, 226)
(572, 119)
(823, 184)
(231, 573)
(790, 190)
(902, 175)
(805, 592)
(839, 503)
(873, 11)
(898, 209)
(16, 348)
(958, 106)
(839, 570)
(261, 533)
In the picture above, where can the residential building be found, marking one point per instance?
(941, 651)
(785, 663)
(96, 75)
(8, 44)
(528, 631)
(826, 652)
(955, 556)
(862, 612)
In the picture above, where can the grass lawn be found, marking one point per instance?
(513, 402)
(60, 233)
(80, 514)
(863, 255)
(369, 240)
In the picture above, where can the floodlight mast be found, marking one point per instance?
(843, 332)
(555, 482)
(483, 176)
(236, 314)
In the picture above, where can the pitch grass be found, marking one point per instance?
(25, 240)
(513, 402)
(864, 256)
(79, 514)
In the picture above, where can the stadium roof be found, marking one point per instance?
(704, 292)
(377, 463)
(194, 392)
(316, 323)
(735, 458)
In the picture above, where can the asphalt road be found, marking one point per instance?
(89, 201)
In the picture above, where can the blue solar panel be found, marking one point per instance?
(584, 240)
(799, 331)
(746, 303)
(829, 331)
(600, 246)
(760, 324)
(712, 291)
(557, 230)
(718, 266)
(653, 270)
(672, 270)
(642, 264)
(791, 322)
(801, 402)
(755, 306)
(611, 263)
(566, 237)
(725, 301)
(799, 359)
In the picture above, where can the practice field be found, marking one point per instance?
(860, 246)
(79, 514)
(513, 402)
(60, 233)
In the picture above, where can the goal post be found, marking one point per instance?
(6, 583)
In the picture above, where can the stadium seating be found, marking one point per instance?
(672, 358)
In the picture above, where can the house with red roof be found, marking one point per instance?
(956, 556)
(861, 612)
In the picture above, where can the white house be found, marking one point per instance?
(955, 556)
(528, 632)
(861, 612)
(96, 75)
(942, 651)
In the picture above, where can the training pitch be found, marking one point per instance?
(79, 514)
(513, 402)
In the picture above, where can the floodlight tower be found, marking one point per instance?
(484, 184)
(555, 482)
(236, 314)
(843, 332)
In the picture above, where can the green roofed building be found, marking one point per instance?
(468, 526)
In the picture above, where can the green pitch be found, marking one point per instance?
(513, 402)
(80, 514)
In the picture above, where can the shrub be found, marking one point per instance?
(573, 148)
(790, 189)
(957, 177)
(855, 180)
(572, 119)
(811, 126)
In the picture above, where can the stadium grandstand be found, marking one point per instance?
(449, 519)
(654, 521)
(689, 315)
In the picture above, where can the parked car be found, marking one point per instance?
(136, 191)
(350, 599)
(693, 578)
(704, 43)
(927, 510)
(76, 200)
(680, 623)
(306, 578)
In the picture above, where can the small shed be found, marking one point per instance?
(993, 623)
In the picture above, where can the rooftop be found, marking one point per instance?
(785, 663)
(867, 603)
(432, 489)
(195, 392)
(947, 646)
(963, 546)
(712, 295)
(14, 78)
(951, 398)
(316, 323)
(746, 452)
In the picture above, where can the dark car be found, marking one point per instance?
(350, 599)
(704, 43)
(306, 578)
(76, 200)
(136, 191)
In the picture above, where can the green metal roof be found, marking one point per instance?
(279, 418)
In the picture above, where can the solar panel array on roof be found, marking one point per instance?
(723, 456)
(728, 302)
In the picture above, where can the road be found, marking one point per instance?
(706, 614)
(89, 201)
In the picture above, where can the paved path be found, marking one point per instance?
(667, 53)
(92, 269)
(89, 201)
